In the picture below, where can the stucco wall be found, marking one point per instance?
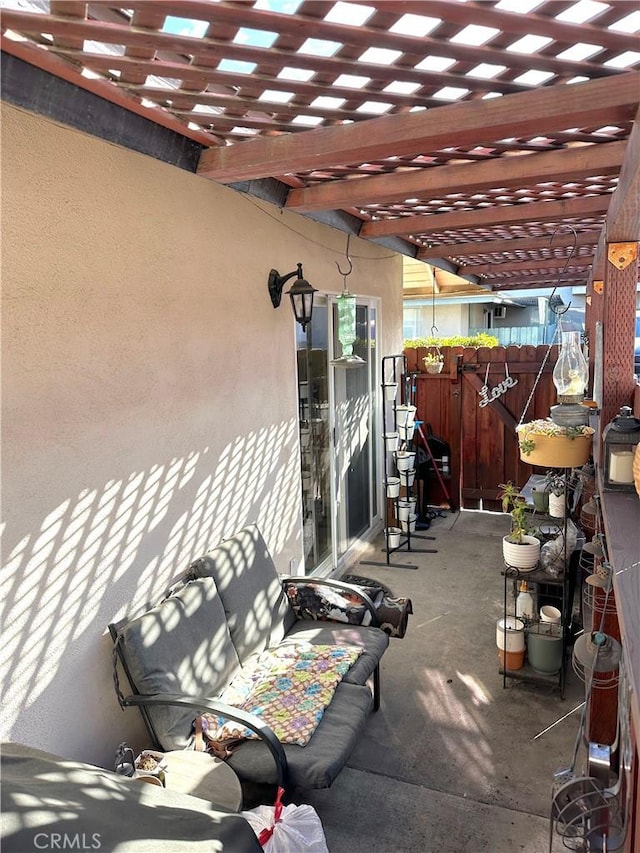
(149, 402)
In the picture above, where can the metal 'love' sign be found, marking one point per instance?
(488, 396)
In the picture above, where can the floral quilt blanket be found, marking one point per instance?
(289, 687)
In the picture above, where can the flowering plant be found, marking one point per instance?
(430, 358)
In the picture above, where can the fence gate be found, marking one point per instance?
(479, 422)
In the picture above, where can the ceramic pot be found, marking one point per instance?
(558, 451)
(434, 368)
(510, 642)
(524, 555)
(540, 499)
(557, 505)
(544, 648)
(636, 469)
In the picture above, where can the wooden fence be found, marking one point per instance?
(484, 448)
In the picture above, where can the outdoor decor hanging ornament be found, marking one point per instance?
(498, 390)
(347, 321)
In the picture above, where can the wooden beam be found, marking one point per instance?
(516, 266)
(544, 211)
(542, 284)
(495, 247)
(469, 123)
(523, 170)
(623, 217)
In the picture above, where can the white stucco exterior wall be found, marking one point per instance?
(149, 402)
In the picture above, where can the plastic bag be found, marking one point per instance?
(554, 555)
(287, 829)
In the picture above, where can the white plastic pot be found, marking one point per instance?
(393, 536)
(393, 487)
(405, 415)
(391, 441)
(406, 508)
(408, 477)
(389, 389)
(405, 459)
(410, 523)
(510, 634)
(406, 431)
(524, 555)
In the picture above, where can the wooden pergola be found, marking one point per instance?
(498, 141)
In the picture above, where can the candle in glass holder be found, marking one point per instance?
(621, 466)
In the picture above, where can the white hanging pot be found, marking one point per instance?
(389, 389)
(408, 477)
(406, 507)
(393, 487)
(405, 415)
(405, 459)
(406, 432)
(557, 505)
(523, 555)
(410, 523)
(391, 441)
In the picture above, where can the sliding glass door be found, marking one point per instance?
(337, 429)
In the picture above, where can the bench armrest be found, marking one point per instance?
(337, 585)
(251, 721)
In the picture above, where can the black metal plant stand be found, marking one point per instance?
(395, 368)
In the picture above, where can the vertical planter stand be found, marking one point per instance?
(398, 418)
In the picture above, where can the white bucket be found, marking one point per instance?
(406, 432)
(408, 477)
(510, 634)
(410, 523)
(391, 441)
(406, 507)
(405, 415)
(393, 536)
(389, 389)
(405, 459)
(393, 487)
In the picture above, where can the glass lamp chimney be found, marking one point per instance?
(571, 372)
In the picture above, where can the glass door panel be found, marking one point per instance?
(315, 432)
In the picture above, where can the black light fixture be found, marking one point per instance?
(301, 294)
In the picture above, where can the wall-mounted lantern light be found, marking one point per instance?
(301, 294)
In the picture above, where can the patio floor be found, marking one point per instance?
(450, 763)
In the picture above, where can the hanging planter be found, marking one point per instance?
(543, 442)
(433, 363)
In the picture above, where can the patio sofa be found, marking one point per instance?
(227, 615)
(53, 803)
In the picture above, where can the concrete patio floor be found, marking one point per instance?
(449, 763)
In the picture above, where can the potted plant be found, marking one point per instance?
(520, 548)
(555, 484)
(433, 363)
(543, 442)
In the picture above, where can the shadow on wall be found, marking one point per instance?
(107, 551)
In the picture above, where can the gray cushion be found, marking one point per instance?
(180, 646)
(256, 607)
(318, 763)
(42, 793)
(372, 640)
